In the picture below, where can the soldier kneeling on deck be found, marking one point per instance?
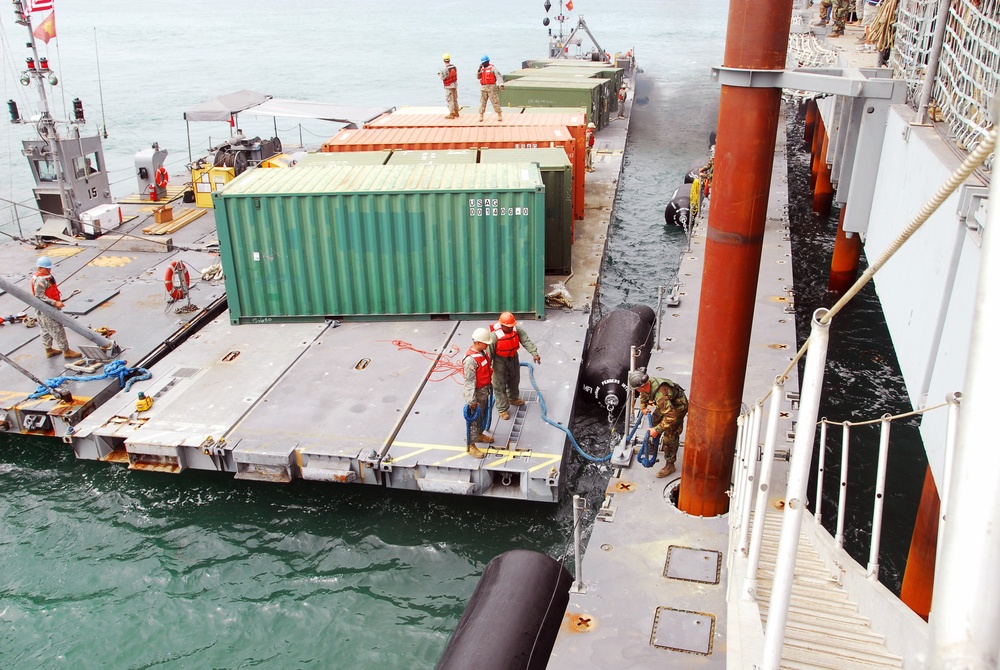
(670, 406)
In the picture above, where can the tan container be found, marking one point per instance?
(163, 214)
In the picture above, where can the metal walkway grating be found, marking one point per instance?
(824, 628)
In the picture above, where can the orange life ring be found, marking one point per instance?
(177, 280)
(161, 177)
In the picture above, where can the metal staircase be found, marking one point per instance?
(824, 628)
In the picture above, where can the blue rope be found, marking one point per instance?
(126, 377)
(546, 419)
(647, 453)
(470, 417)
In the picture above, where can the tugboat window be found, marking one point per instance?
(46, 170)
(84, 166)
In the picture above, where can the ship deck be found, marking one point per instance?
(375, 403)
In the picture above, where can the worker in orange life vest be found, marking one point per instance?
(43, 287)
(449, 76)
(506, 366)
(589, 141)
(478, 370)
(489, 80)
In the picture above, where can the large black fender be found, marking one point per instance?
(606, 361)
(678, 210)
(694, 170)
(513, 616)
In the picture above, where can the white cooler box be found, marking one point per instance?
(101, 219)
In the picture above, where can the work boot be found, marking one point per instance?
(50, 352)
(69, 354)
(473, 450)
(836, 33)
(485, 439)
(666, 471)
(480, 118)
(517, 401)
(504, 415)
(499, 116)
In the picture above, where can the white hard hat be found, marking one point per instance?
(591, 125)
(482, 335)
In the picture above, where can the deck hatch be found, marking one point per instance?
(681, 630)
(693, 565)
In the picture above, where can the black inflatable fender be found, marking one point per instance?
(678, 210)
(606, 361)
(513, 615)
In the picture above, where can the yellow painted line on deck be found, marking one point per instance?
(62, 252)
(507, 455)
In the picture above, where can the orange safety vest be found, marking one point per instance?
(51, 291)
(487, 75)
(452, 75)
(484, 370)
(590, 138)
(507, 343)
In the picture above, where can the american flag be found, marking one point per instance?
(37, 6)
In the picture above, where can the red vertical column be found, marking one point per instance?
(757, 39)
(846, 257)
(918, 579)
(811, 113)
(823, 190)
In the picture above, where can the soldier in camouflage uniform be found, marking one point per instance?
(43, 287)
(670, 406)
(490, 80)
(841, 15)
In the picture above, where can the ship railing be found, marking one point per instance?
(745, 477)
(950, 45)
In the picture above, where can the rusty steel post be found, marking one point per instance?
(819, 132)
(823, 190)
(846, 256)
(756, 39)
(918, 578)
(811, 113)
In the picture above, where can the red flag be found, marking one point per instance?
(232, 121)
(569, 6)
(46, 30)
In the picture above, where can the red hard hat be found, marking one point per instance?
(507, 319)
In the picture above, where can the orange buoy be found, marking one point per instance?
(177, 281)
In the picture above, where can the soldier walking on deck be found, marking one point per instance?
(506, 365)
(489, 81)
(43, 286)
(478, 371)
(589, 141)
(670, 406)
(622, 97)
(449, 76)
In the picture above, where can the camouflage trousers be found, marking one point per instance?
(506, 381)
(52, 332)
(841, 13)
(670, 438)
(476, 425)
(451, 97)
(489, 92)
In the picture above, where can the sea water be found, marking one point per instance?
(103, 567)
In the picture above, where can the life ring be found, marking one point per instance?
(177, 281)
(161, 177)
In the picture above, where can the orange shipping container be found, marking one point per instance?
(478, 136)
(575, 123)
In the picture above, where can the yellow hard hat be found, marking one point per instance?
(447, 56)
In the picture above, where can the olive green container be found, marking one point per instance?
(383, 242)
(586, 93)
(557, 175)
(434, 157)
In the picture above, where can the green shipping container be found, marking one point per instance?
(383, 242)
(325, 159)
(557, 175)
(586, 93)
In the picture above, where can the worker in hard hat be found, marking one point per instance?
(449, 75)
(669, 407)
(506, 365)
(44, 287)
(478, 368)
(589, 142)
(490, 80)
